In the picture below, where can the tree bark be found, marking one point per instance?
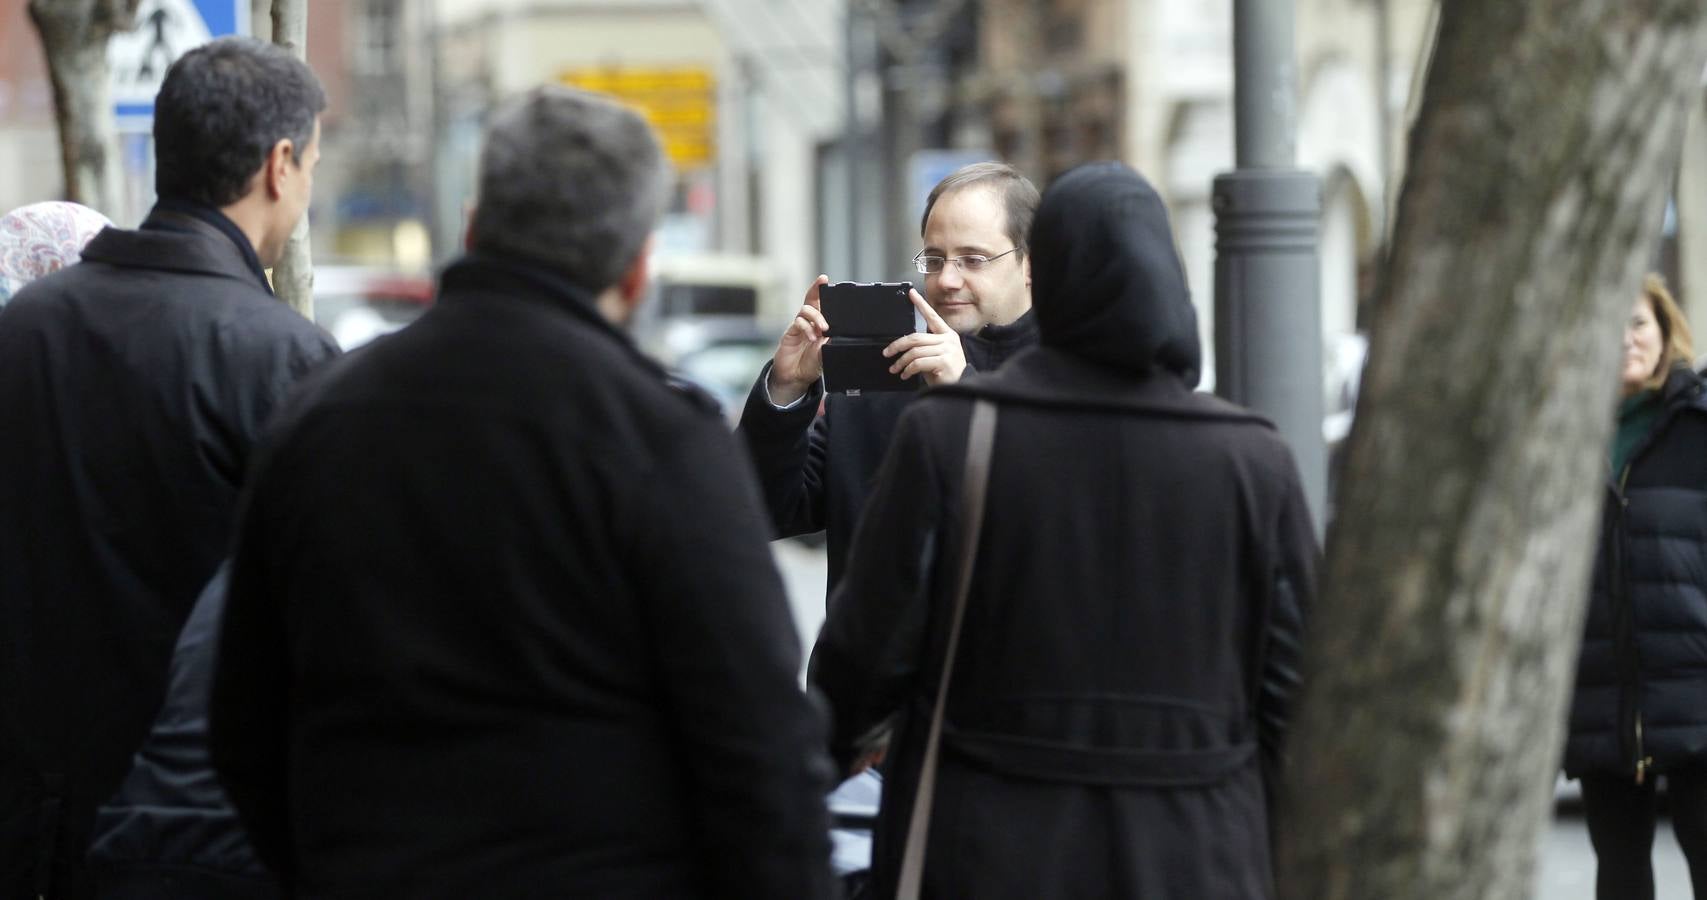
(1444, 645)
(74, 36)
(293, 277)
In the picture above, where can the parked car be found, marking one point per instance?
(357, 304)
(720, 356)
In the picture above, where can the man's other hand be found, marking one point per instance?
(799, 358)
(934, 353)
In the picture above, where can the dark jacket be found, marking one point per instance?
(132, 387)
(1131, 633)
(504, 623)
(1641, 689)
(170, 831)
(816, 470)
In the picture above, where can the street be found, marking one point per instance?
(803, 572)
(1566, 868)
(1567, 863)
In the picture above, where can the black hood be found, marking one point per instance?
(1106, 280)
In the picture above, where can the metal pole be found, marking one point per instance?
(1265, 84)
(850, 134)
(1268, 320)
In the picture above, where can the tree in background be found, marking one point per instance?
(1440, 660)
(286, 23)
(74, 36)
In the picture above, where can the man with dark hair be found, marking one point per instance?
(815, 469)
(132, 386)
(543, 651)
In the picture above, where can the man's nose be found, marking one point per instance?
(950, 277)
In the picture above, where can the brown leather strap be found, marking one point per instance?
(979, 441)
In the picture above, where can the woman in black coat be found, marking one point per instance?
(1130, 638)
(1640, 709)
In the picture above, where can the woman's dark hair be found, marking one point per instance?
(220, 111)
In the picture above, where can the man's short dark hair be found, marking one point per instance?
(1019, 196)
(569, 180)
(220, 111)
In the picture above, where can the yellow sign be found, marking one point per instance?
(679, 102)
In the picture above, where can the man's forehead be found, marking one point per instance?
(970, 218)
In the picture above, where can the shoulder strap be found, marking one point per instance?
(979, 442)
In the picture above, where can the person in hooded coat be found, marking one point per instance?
(1131, 634)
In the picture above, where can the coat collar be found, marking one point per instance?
(481, 277)
(172, 242)
(479, 273)
(992, 345)
(1048, 376)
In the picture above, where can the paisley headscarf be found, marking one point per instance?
(42, 238)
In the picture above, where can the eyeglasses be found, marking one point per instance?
(930, 265)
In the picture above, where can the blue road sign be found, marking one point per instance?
(165, 30)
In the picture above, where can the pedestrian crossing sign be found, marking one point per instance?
(165, 30)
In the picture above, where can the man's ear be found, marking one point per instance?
(1025, 262)
(280, 160)
(632, 286)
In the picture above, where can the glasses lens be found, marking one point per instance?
(928, 265)
(973, 263)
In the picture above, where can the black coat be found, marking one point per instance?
(504, 623)
(170, 831)
(1641, 689)
(1131, 634)
(817, 470)
(132, 387)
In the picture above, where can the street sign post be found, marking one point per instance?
(165, 30)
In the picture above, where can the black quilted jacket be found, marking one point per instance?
(1641, 690)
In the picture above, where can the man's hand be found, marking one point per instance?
(799, 358)
(935, 353)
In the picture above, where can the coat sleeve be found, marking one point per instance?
(869, 652)
(729, 660)
(1293, 588)
(789, 448)
(246, 714)
(277, 364)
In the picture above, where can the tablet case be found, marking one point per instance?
(864, 319)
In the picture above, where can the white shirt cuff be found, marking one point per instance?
(765, 382)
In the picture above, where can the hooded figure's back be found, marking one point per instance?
(1145, 552)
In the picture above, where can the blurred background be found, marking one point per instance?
(805, 135)
(762, 104)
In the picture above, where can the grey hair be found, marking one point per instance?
(571, 180)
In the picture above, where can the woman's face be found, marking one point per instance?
(1642, 345)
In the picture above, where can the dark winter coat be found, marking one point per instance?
(1131, 634)
(132, 387)
(1641, 689)
(170, 832)
(817, 470)
(504, 623)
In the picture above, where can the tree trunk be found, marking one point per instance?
(293, 277)
(74, 37)
(1443, 647)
